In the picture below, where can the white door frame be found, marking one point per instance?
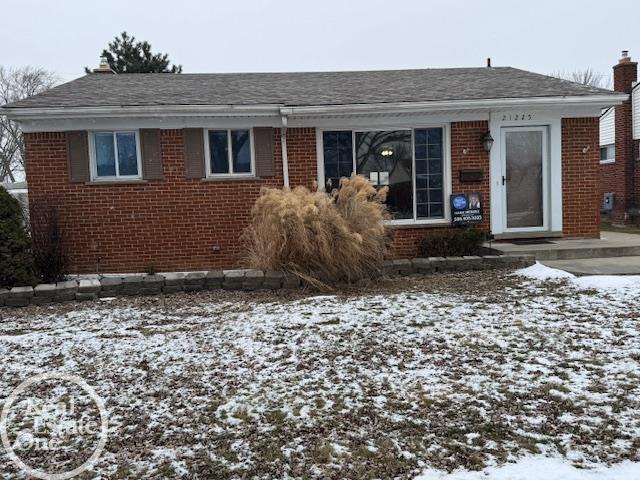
(545, 177)
(527, 118)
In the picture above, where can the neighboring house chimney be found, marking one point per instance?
(625, 74)
(103, 67)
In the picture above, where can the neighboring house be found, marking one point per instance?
(162, 170)
(608, 136)
(619, 140)
(19, 191)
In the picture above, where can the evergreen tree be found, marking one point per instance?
(126, 55)
(16, 262)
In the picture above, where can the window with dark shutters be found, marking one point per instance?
(151, 153)
(194, 152)
(78, 156)
(263, 137)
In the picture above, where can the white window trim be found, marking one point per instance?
(94, 164)
(608, 160)
(446, 168)
(231, 174)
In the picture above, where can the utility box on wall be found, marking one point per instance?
(607, 201)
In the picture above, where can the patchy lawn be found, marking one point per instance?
(449, 372)
(608, 227)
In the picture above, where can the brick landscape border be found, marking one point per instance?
(248, 280)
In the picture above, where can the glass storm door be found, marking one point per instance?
(524, 178)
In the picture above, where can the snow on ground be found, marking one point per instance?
(530, 468)
(599, 282)
(450, 373)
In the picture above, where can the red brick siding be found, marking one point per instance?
(622, 177)
(302, 156)
(171, 224)
(612, 180)
(580, 177)
(464, 135)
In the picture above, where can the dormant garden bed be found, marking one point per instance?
(92, 287)
(413, 376)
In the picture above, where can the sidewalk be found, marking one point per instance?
(598, 266)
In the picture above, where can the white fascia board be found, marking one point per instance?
(158, 121)
(599, 101)
(19, 114)
(180, 116)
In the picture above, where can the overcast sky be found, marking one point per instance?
(285, 35)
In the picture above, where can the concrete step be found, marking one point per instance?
(598, 266)
(610, 244)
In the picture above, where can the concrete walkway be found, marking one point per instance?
(614, 253)
(598, 266)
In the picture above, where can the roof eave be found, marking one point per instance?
(270, 110)
(460, 105)
(40, 113)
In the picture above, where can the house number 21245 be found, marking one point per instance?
(517, 117)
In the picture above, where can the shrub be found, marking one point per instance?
(16, 262)
(150, 269)
(49, 253)
(452, 242)
(322, 237)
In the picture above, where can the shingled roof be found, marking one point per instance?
(305, 88)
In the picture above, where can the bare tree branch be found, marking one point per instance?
(586, 76)
(16, 84)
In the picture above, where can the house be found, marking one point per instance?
(619, 143)
(20, 192)
(162, 170)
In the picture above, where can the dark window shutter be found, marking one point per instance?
(78, 156)
(151, 153)
(263, 137)
(194, 152)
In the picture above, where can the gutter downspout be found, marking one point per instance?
(285, 157)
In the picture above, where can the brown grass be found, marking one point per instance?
(324, 238)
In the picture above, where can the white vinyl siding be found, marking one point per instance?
(608, 127)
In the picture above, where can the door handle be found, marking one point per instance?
(504, 180)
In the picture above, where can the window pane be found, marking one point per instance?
(219, 151)
(338, 157)
(607, 152)
(436, 210)
(127, 156)
(388, 155)
(105, 155)
(524, 158)
(429, 193)
(421, 182)
(241, 151)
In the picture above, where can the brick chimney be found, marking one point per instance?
(625, 73)
(103, 67)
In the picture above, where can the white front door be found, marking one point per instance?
(525, 190)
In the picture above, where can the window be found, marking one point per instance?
(608, 153)
(429, 173)
(384, 157)
(338, 157)
(229, 152)
(409, 162)
(115, 155)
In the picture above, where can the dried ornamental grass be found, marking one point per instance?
(322, 237)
